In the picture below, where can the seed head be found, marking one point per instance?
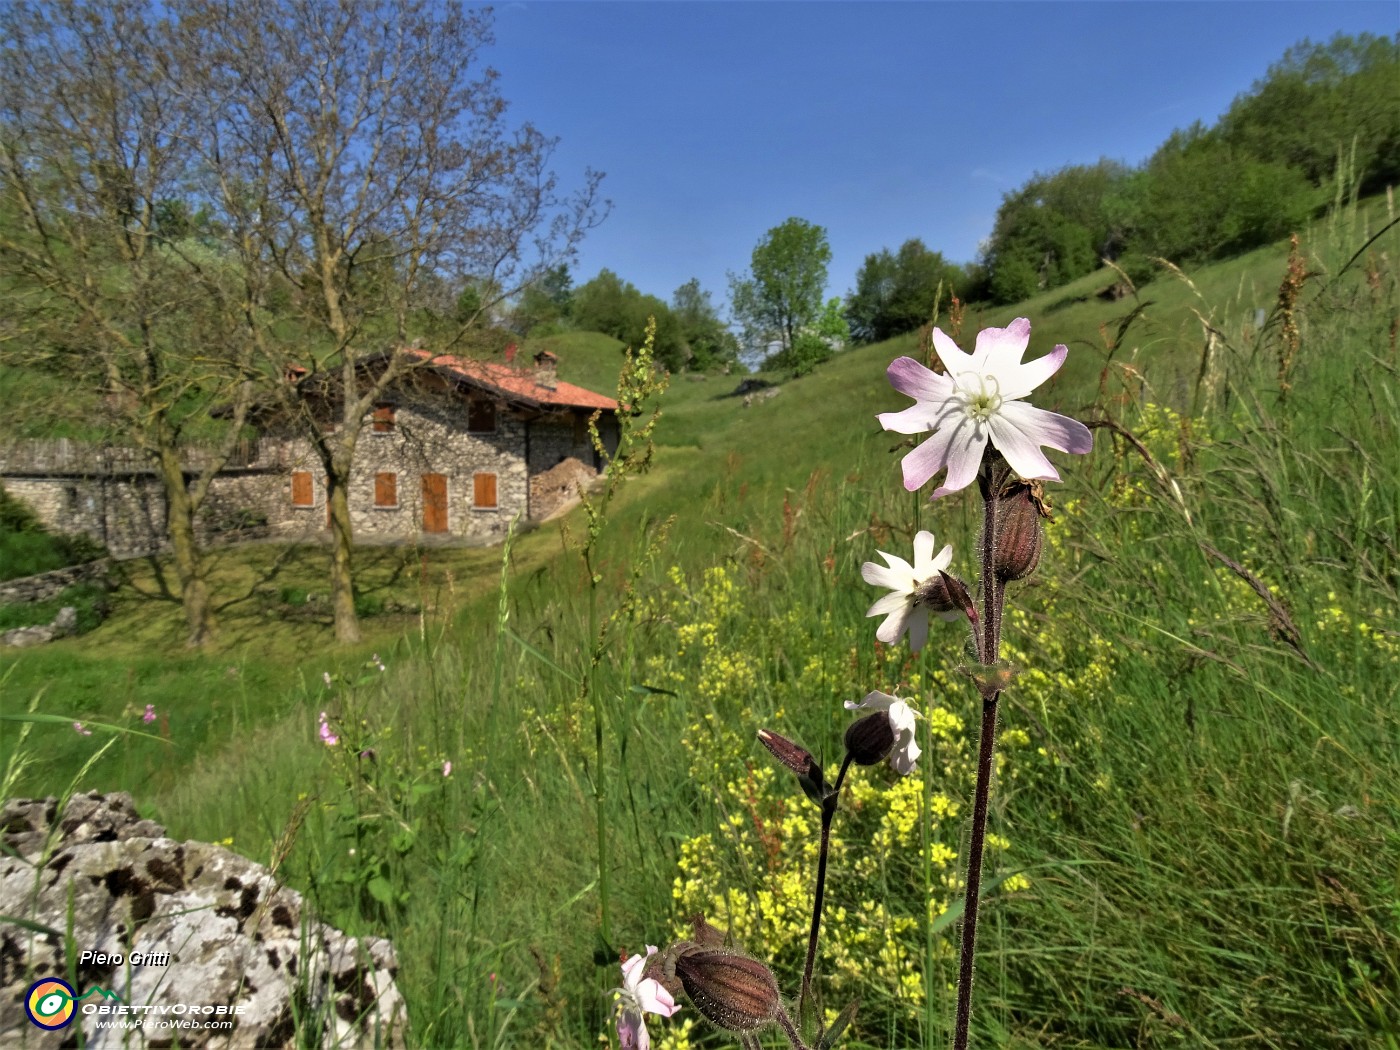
(735, 992)
(1019, 538)
(870, 739)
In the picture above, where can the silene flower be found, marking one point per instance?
(979, 400)
(640, 995)
(150, 715)
(327, 737)
(81, 729)
(447, 768)
(906, 749)
(915, 591)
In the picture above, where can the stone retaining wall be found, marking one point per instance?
(47, 584)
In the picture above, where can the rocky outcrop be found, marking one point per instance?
(199, 945)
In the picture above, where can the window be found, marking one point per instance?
(303, 492)
(383, 418)
(484, 491)
(386, 490)
(481, 416)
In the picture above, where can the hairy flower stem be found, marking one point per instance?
(989, 648)
(829, 804)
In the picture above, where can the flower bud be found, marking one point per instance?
(735, 992)
(799, 760)
(796, 758)
(1019, 538)
(870, 739)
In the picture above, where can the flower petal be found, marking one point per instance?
(922, 384)
(1021, 380)
(964, 456)
(923, 554)
(918, 418)
(895, 624)
(918, 629)
(1051, 428)
(1020, 444)
(1000, 350)
(655, 999)
(954, 360)
(888, 604)
(891, 579)
(943, 559)
(874, 701)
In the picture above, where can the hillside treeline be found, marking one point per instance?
(1324, 119)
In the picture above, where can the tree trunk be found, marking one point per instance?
(189, 562)
(347, 624)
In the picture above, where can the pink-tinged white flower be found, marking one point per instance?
(327, 737)
(81, 729)
(640, 995)
(915, 590)
(150, 715)
(906, 749)
(979, 400)
(326, 677)
(447, 768)
(378, 662)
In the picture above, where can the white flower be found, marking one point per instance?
(906, 750)
(638, 996)
(979, 399)
(904, 609)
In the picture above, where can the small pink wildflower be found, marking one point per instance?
(81, 729)
(326, 677)
(150, 715)
(979, 400)
(447, 768)
(327, 737)
(640, 995)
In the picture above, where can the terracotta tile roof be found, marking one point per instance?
(515, 383)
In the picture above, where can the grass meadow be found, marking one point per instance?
(1196, 818)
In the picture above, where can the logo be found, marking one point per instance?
(49, 1002)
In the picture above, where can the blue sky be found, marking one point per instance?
(879, 121)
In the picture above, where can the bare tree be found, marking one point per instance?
(105, 280)
(359, 156)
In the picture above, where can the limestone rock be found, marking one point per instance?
(233, 936)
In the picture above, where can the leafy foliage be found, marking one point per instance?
(896, 292)
(783, 293)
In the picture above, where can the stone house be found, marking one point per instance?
(456, 450)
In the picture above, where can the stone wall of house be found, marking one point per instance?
(126, 514)
(126, 511)
(428, 439)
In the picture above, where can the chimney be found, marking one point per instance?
(546, 366)
(510, 353)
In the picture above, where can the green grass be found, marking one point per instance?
(1199, 783)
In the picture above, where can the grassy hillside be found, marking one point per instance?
(1197, 805)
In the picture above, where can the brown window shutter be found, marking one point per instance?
(383, 419)
(386, 490)
(483, 490)
(302, 493)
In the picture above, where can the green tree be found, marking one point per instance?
(895, 291)
(783, 292)
(545, 305)
(1199, 197)
(615, 307)
(1319, 99)
(1054, 229)
(708, 342)
(364, 139)
(110, 276)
